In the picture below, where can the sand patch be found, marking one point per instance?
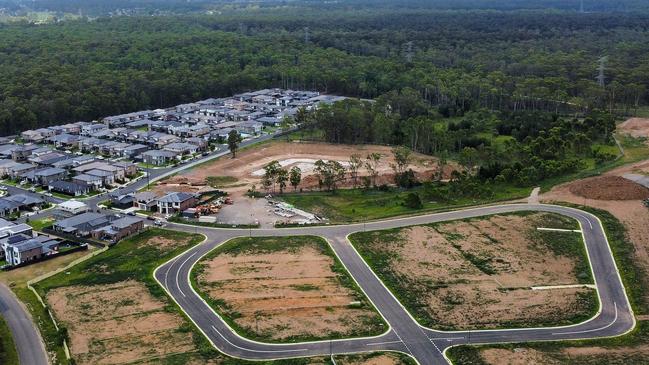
(635, 127)
(283, 294)
(117, 323)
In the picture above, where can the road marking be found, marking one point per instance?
(405, 344)
(169, 269)
(593, 330)
(449, 339)
(558, 230)
(550, 287)
(383, 343)
(178, 271)
(251, 350)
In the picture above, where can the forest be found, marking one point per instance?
(457, 60)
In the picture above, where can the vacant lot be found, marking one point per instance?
(246, 169)
(118, 323)
(113, 311)
(479, 273)
(287, 288)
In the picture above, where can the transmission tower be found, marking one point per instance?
(601, 78)
(581, 6)
(409, 53)
(307, 38)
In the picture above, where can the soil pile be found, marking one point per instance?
(609, 188)
(636, 127)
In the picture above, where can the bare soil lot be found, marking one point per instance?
(609, 188)
(478, 273)
(285, 288)
(635, 127)
(118, 323)
(246, 166)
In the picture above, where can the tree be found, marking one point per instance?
(413, 201)
(330, 173)
(355, 163)
(468, 159)
(402, 160)
(281, 178)
(295, 177)
(271, 170)
(234, 138)
(372, 165)
(285, 124)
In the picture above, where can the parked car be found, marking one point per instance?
(158, 223)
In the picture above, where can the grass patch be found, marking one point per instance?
(220, 181)
(355, 205)
(39, 224)
(8, 352)
(177, 219)
(264, 245)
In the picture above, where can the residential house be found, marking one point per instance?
(200, 143)
(130, 169)
(37, 135)
(158, 157)
(20, 169)
(107, 177)
(120, 200)
(119, 228)
(91, 181)
(92, 129)
(69, 188)
(48, 159)
(175, 202)
(181, 148)
(45, 176)
(20, 249)
(133, 150)
(8, 207)
(82, 224)
(64, 140)
(250, 127)
(22, 152)
(25, 202)
(5, 165)
(145, 201)
(118, 172)
(74, 207)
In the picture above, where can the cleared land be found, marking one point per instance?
(237, 175)
(288, 288)
(114, 313)
(478, 273)
(635, 127)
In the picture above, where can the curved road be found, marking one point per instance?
(28, 341)
(404, 334)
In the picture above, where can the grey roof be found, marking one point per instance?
(180, 146)
(8, 204)
(145, 196)
(176, 197)
(125, 222)
(67, 186)
(24, 199)
(86, 178)
(82, 219)
(160, 153)
(49, 172)
(97, 172)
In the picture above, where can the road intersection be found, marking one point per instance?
(404, 334)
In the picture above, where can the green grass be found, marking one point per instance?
(39, 224)
(220, 181)
(177, 219)
(411, 292)
(8, 352)
(635, 280)
(263, 245)
(355, 205)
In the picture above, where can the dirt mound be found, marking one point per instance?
(609, 188)
(636, 127)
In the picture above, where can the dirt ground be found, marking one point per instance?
(118, 324)
(609, 188)
(522, 356)
(636, 127)
(283, 294)
(245, 168)
(461, 294)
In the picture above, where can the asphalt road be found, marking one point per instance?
(404, 333)
(28, 341)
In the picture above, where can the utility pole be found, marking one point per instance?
(601, 78)
(409, 53)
